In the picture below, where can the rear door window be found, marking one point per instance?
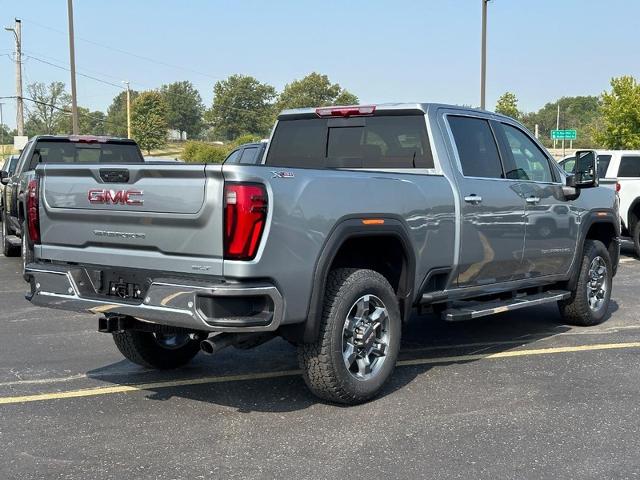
(249, 155)
(476, 147)
(358, 142)
(629, 166)
(233, 156)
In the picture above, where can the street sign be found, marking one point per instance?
(564, 134)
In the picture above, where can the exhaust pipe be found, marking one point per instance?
(217, 342)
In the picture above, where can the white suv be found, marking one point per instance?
(620, 169)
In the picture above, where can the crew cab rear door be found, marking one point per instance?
(492, 206)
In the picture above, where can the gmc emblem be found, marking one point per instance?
(115, 197)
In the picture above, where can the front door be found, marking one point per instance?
(551, 222)
(493, 221)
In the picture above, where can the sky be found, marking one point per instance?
(381, 50)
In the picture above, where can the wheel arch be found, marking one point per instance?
(347, 234)
(597, 225)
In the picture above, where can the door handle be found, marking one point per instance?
(473, 199)
(533, 200)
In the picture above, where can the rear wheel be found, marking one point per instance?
(359, 338)
(7, 249)
(157, 350)
(589, 301)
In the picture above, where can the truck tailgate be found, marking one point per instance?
(158, 217)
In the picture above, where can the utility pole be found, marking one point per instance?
(483, 61)
(128, 110)
(17, 31)
(2, 129)
(72, 64)
(557, 123)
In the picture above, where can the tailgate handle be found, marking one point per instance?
(114, 175)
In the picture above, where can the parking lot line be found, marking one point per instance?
(91, 392)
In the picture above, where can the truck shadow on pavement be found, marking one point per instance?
(262, 388)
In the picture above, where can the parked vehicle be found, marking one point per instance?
(354, 217)
(620, 170)
(247, 154)
(8, 166)
(18, 196)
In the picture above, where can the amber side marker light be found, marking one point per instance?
(372, 221)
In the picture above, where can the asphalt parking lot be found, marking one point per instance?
(517, 395)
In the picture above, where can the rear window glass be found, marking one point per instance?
(629, 166)
(357, 142)
(72, 152)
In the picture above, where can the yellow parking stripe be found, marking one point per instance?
(91, 392)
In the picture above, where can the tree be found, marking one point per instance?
(241, 104)
(89, 123)
(48, 106)
(314, 90)
(149, 121)
(621, 115)
(184, 108)
(579, 113)
(116, 121)
(508, 105)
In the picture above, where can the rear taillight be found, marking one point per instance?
(33, 213)
(618, 186)
(245, 214)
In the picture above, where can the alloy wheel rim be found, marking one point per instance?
(597, 283)
(171, 341)
(365, 337)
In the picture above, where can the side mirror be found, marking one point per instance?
(586, 170)
(4, 177)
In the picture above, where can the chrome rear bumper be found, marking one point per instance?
(175, 302)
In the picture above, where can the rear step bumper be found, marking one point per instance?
(213, 307)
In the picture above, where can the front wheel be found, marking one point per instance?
(157, 350)
(589, 301)
(359, 338)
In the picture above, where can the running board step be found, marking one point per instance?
(481, 309)
(13, 240)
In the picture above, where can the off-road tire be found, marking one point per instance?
(636, 238)
(7, 249)
(143, 349)
(322, 364)
(576, 310)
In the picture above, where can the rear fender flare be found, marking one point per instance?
(346, 229)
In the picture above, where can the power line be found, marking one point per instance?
(66, 64)
(78, 73)
(124, 52)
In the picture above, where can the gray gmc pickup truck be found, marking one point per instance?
(354, 217)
